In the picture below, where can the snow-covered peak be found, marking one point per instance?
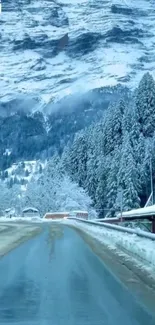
(53, 49)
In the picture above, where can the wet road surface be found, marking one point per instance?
(57, 280)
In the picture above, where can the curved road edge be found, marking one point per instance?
(126, 269)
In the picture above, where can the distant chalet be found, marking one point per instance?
(30, 212)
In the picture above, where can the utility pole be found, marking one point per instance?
(120, 200)
(151, 176)
(121, 203)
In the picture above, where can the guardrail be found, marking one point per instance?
(137, 232)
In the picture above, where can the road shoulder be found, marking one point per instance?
(136, 279)
(14, 234)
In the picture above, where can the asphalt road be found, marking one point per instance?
(57, 280)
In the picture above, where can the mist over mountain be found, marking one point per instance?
(27, 133)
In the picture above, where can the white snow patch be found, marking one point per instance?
(7, 152)
(32, 166)
(19, 219)
(147, 211)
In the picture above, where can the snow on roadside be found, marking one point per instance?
(26, 219)
(20, 219)
(15, 234)
(142, 250)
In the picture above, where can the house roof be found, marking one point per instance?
(30, 209)
(79, 211)
(8, 210)
(53, 213)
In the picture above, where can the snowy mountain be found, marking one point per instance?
(62, 64)
(62, 57)
(112, 160)
(50, 49)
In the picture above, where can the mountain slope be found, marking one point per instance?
(65, 47)
(27, 135)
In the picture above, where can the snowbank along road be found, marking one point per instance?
(55, 278)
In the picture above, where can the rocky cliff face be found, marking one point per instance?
(50, 49)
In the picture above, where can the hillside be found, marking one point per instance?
(29, 135)
(77, 103)
(109, 158)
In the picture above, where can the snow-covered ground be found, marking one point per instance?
(105, 45)
(12, 234)
(32, 166)
(19, 219)
(25, 170)
(141, 250)
(28, 220)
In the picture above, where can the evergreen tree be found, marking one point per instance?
(27, 173)
(77, 162)
(23, 165)
(113, 127)
(40, 169)
(73, 161)
(127, 121)
(10, 182)
(16, 180)
(22, 181)
(128, 176)
(146, 170)
(108, 143)
(96, 138)
(134, 128)
(145, 103)
(6, 174)
(118, 123)
(3, 175)
(91, 179)
(65, 160)
(82, 160)
(101, 191)
(112, 184)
